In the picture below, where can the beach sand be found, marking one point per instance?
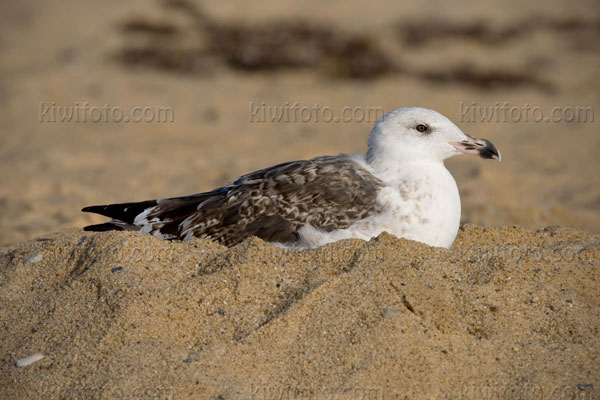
(121, 315)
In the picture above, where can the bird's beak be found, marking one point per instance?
(484, 148)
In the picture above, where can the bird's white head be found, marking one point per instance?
(415, 134)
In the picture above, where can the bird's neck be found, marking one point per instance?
(390, 171)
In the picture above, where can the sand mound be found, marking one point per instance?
(506, 312)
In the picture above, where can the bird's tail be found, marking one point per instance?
(123, 215)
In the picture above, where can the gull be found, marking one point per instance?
(401, 187)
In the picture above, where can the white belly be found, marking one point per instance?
(433, 219)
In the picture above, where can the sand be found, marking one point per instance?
(510, 311)
(506, 311)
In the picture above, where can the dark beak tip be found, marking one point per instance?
(490, 151)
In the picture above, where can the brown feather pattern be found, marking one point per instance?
(329, 193)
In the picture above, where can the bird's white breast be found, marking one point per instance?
(422, 204)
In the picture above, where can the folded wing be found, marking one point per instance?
(274, 204)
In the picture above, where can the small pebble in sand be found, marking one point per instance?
(585, 386)
(187, 360)
(34, 259)
(389, 312)
(23, 362)
(116, 269)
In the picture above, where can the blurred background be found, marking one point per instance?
(221, 70)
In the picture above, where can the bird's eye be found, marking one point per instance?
(422, 128)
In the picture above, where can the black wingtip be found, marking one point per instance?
(125, 212)
(107, 226)
(92, 209)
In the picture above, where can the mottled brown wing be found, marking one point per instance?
(273, 204)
